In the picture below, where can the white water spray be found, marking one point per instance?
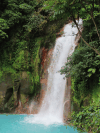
(51, 111)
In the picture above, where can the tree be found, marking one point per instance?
(21, 22)
(87, 10)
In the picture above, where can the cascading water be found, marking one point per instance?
(51, 111)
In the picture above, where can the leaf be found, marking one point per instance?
(80, 116)
(89, 70)
(92, 70)
(89, 75)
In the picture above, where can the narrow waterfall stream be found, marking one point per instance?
(51, 111)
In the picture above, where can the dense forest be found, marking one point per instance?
(27, 26)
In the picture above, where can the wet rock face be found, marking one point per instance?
(44, 54)
(46, 59)
(25, 84)
(10, 89)
(3, 86)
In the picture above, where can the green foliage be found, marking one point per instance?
(36, 21)
(20, 62)
(87, 119)
(83, 66)
(3, 27)
(23, 26)
(26, 8)
(20, 26)
(84, 71)
(13, 17)
(91, 70)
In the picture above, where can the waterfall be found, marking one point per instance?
(51, 111)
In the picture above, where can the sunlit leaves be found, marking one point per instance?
(91, 70)
(26, 8)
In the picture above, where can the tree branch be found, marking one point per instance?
(72, 3)
(92, 20)
(83, 38)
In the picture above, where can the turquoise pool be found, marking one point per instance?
(16, 124)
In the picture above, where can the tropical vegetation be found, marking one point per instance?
(23, 32)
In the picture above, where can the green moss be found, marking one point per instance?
(96, 94)
(23, 98)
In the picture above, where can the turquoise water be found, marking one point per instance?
(16, 124)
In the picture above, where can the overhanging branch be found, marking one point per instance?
(83, 38)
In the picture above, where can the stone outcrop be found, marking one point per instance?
(10, 89)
